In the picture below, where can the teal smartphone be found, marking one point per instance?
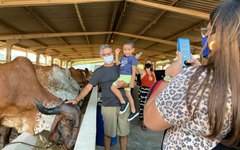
(183, 46)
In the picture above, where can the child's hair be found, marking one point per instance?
(129, 42)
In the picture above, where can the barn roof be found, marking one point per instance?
(74, 29)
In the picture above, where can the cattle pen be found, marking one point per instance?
(87, 134)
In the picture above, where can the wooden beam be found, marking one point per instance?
(180, 33)
(118, 19)
(45, 24)
(115, 9)
(81, 22)
(49, 35)
(189, 12)
(149, 50)
(14, 30)
(45, 35)
(167, 42)
(24, 3)
(154, 21)
(61, 46)
(186, 30)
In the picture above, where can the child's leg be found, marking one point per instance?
(130, 100)
(116, 91)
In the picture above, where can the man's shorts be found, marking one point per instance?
(115, 123)
(125, 78)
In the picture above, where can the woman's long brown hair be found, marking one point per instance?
(223, 71)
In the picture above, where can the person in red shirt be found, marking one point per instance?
(147, 80)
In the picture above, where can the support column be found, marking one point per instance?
(67, 64)
(71, 63)
(61, 63)
(155, 64)
(45, 60)
(37, 58)
(9, 45)
(52, 60)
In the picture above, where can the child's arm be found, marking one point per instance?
(117, 51)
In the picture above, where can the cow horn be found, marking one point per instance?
(47, 111)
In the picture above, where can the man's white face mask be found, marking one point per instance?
(108, 59)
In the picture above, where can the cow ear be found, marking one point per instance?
(54, 137)
(47, 111)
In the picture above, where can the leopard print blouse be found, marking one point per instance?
(186, 133)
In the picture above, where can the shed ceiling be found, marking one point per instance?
(74, 29)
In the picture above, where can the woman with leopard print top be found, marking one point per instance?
(201, 104)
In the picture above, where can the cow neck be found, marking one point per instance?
(44, 122)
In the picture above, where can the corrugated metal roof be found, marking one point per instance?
(98, 17)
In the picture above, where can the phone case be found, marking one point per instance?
(183, 46)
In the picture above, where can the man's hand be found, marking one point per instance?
(74, 102)
(132, 84)
(117, 51)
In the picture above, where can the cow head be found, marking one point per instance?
(66, 125)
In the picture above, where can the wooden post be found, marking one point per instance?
(52, 60)
(9, 45)
(45, 60)
(155, 64)
(37, 58)
(61, 63)
(67, 64)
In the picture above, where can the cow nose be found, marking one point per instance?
(70, 144)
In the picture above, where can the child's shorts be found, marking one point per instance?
(125, 78)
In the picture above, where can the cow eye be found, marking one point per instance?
(70, 122)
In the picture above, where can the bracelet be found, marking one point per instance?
(167, 78)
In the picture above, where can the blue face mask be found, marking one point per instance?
(206, 51)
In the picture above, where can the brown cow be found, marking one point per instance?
(79, 76)
(19, 87)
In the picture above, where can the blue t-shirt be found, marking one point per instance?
(126, 64)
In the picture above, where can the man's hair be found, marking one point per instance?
(129, 42)
(103, 46)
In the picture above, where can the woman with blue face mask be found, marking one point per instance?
(200, 105)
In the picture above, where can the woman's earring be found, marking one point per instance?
(212, 45)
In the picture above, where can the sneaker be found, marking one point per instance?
(144, 128)
(123, 108)
(133, 115)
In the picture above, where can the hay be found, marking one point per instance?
(46, 145)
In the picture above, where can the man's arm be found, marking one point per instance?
(84, 92)
(134, 69)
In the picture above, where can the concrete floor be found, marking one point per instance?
(140, 140)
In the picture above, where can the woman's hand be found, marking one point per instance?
(176, 67)
(194, 62)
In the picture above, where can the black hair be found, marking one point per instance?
(129, 42)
